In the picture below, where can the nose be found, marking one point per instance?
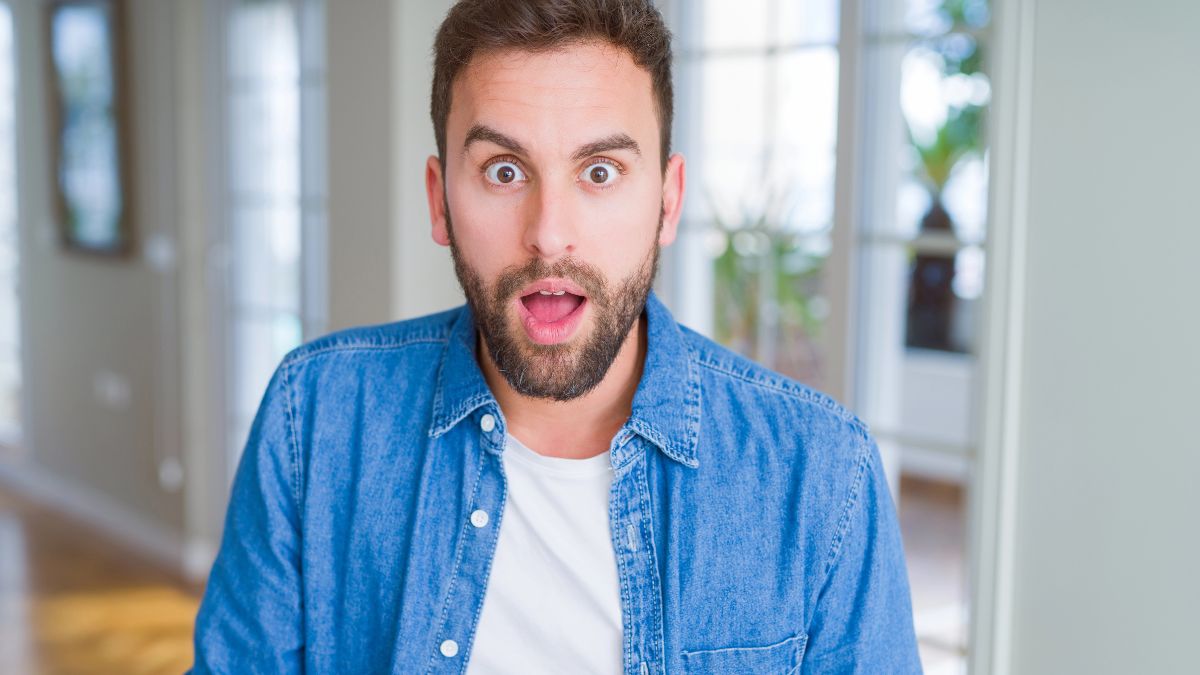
(550, 224)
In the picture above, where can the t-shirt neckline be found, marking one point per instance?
(590, 466)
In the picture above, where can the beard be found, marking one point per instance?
(563, 371)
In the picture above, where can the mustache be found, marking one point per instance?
(514, 278)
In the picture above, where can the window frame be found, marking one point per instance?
(312, 203)
(12, 432)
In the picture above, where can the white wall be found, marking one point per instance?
(1107, 528)
(362, 123)
(424, 275)
(100, 336)
(383, 264)
(142, 331)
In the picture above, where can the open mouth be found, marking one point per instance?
(551, 311)
(549, 307)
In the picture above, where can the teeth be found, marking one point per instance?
(552, 292)
(545, 292)
(559, 292)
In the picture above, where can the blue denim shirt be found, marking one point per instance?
(752, 525)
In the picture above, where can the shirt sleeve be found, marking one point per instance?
(862, 622)
(250, 620)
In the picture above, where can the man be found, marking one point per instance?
(556, 477)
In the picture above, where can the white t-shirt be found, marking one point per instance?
(553, 601)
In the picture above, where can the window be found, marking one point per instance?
(921, 252)
(759, 264)
(275, 195)
(10, 340)
(758, 90)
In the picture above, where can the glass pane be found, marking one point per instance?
(805, 143)
(761, 168)
(262, 341)
(266, 245)
(943, 289)
(965, 198)
(807, 21)
(10, 363)
(936, 17)
(943, 97)
(734, 123)
(758, 24)
(263, 43)
(268, 195)
(265, 151)
(312, 38)
(736, 24)
(8, 206)
(89, 159)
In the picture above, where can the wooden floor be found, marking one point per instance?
(75, 602)
(933, 523)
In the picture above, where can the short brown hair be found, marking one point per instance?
(476, 26)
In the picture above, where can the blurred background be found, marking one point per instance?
(971, 221)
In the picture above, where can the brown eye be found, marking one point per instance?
(503, 173)
(599, 174)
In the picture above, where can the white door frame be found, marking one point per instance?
(993, 490)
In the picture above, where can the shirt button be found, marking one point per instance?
(479, 518)
(487, 422)
(449, 648)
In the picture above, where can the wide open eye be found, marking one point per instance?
(504, 173)
(600, 174)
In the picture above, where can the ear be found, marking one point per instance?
(674, 180)
(434, 191)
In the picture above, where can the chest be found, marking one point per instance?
(692, 567)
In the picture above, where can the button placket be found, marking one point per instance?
(640, 594)
(475, 550)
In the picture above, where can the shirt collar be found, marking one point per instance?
(666, 405)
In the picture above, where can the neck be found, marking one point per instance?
(582, 427)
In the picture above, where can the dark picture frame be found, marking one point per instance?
(88, 119)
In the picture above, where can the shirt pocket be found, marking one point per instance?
(781, 658)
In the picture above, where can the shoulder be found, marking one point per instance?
(785, 430)
(385, 339)
(733, 375)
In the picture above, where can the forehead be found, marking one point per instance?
(568, 92)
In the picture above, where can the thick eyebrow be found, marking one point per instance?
(480, 132)
(607, 144)
(618, 141)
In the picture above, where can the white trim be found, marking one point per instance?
(994, 494)
(199, 555)
(164, 237)
(100, 511)
(218, 253)
(841, 269)
(934, 464)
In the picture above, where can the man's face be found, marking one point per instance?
(554, 204)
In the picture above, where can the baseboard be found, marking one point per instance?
(198, 558)
(86, 504)
(935, 465)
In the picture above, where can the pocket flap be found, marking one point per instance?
(779, 658)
